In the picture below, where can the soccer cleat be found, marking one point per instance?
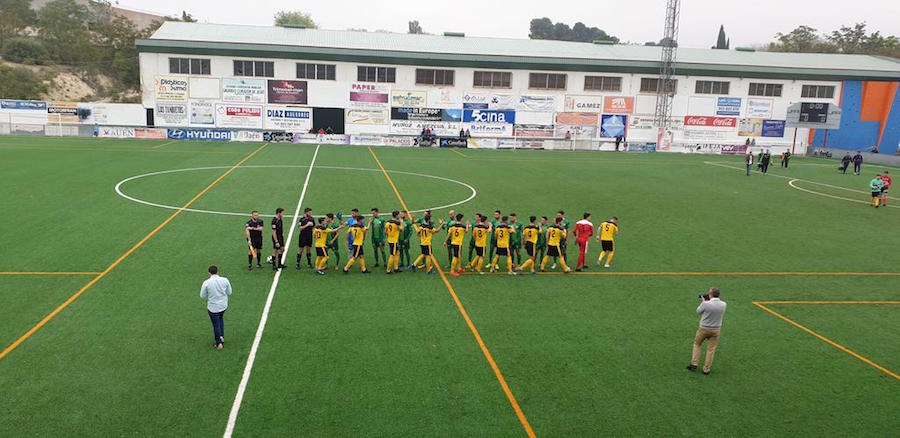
(249, 267)
(706, 373)
(454, 274)
(567, 271)
(346, 271)
(553, 267)
(389, 272)
(577, 269)
(320, 272)
(606, 265)
(258, 265)
(533, 273)
(367, 271)
(511, 273)
(459, 271)
(492, 270)
(692, 368)
(429, 272)
(397, 271)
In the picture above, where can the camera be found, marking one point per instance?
(704, 297)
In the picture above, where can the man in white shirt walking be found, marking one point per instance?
(215, 291)
(711, 311)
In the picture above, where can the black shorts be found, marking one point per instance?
(279, 241)
(479, 251)
(608, 245)
(885, 190)
(553, 251)
(455, 250)
(320, 252)
(305, 240)
(357, 251)
(502, 251)
(426, 249)
(256, 243)
(529, 249)
(876, 194)
(393, 248)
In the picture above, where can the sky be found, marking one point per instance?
(747, 23)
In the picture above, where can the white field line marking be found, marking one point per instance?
(242, 387)
(797, 179)
(120, 192)
(791, 183)
(161, 145)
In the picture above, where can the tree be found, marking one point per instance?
(562, 32)
(722, 42)
(20, 83)
(294, 19)
(414, 27)
(187, 18)
(541, 29)
(64, 32)
(545, 29)
(15, 16)
(802, 39)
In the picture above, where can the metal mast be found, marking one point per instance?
(667, 65)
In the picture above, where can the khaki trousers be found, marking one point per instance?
(703, 334)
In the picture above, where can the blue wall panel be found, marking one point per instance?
(854, 133)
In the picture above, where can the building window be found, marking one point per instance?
(189, 66)
(712, 87)
(316, 71)
(818, 91)
(264, 69)
(547, 81)
(651, 85)
(492, 79)
(425, 76)
(603, 83)
(365, 73)
(768, 90)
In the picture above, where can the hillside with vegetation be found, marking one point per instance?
(69, 50)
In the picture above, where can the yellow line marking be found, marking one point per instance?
(49, 273)
(121, 258)
(724, 274)
(161, 145)
(462, 310)
(458, 153)
(826, 340)
(829, 302)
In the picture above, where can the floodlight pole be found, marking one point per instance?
(664, 96)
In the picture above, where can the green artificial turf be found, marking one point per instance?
(584, 355)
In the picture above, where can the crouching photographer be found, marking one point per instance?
(711, 311)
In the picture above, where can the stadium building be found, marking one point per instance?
(377, 86)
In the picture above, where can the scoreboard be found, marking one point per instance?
(819, 115)
(814, 113)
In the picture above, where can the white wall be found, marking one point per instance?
(323, 93)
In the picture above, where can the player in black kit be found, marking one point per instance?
(307, 223)
(277, 238)
(254, 239)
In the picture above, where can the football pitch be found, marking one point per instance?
(107, 241)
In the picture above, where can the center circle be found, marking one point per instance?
(120, 192)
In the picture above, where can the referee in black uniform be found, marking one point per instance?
(277, 238)
(254, 239)
(306, 236)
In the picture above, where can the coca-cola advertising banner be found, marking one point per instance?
(710, 122)
(287, 92)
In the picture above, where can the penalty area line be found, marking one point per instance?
(251, 358)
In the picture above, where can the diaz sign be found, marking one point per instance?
(708, 121)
